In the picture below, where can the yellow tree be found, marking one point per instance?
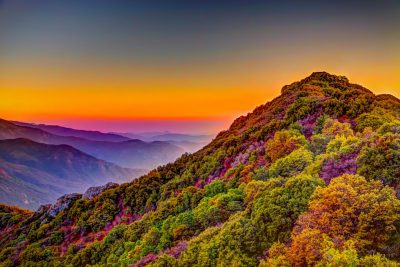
(349, 209)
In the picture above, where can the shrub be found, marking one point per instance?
(302, 107)
(292, 164)
(283, 143)
(215, 188)
(380, 160)
(334, 127)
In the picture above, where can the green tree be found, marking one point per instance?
(380, 159)
(292, 164)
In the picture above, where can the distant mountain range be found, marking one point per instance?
(39, 163)
(167, 136)
(33, 173)
(189, 142)
(130, 153)
(64, 131)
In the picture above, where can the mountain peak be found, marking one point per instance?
(319, 92)
(325, 76)
(321, 79)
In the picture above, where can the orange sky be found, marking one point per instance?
(202, 63)
(39, 98)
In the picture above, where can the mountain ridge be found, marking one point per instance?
(64, 131)
(136, 154)
(33, 173)
(308, 179)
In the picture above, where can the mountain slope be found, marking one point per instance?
(308, 179)
(130, 153)
(33, 173)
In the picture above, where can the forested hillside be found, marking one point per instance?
(311, 178)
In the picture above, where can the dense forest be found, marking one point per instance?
(311, 178)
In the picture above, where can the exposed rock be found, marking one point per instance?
(43, 208)
(62, 203)
(97, 190)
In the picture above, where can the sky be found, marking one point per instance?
(183, 66)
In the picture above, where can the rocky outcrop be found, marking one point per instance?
(43, 208)
(65, 201)
(97, 190)
(62, 203)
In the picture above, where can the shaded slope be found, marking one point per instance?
(33, 173)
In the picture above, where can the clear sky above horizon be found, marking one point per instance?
(185, 66)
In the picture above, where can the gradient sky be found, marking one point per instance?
(187, 66)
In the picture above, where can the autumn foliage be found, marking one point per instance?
(309, 179)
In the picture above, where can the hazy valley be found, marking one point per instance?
(40, 163)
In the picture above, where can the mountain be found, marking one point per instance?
(310, 178)
(189, 142)
(130, 153)
(133, 153)
(188, 146)
(33, 173)
(167, 136)
(64, 131)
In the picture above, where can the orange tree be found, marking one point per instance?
(349, 209)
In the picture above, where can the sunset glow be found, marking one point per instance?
(61, 63)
